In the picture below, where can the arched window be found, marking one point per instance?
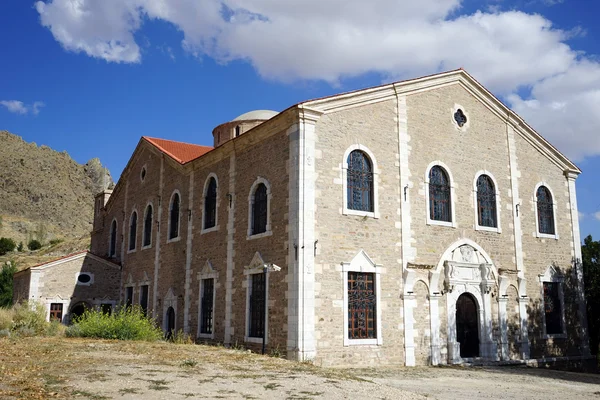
(545, 211)
(486, 202)
(360, 182)
(132, 230)
(148, 227)
(439, 195)
(259, 209)
(112, 247)
(210, 204)
(174, 217)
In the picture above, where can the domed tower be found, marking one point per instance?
(240, 125)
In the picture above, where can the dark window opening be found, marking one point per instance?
(460, 118)
(106, 308)
(133, 231)
(257, 305)
(128, 296)
(143, 174)
(362, 306)
(206, 307)
(112, 248)
(439, 195)
(545, 211)
(486, 202)
(237, 131)
(210, 204)
(148, 227)
(552, 308)
(56, 312)
(174, 217)
(260, 209)
(84, 278)
(144, 298)
(359, 182)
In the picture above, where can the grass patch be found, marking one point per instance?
(89, 395)
(190, 363)
(125, 391)
(127, 323)
(158, 384)
(271, 386)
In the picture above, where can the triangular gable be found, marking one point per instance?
(179, 151)
(256, 264)
(361, 263)
(389, 91)
(69, 258)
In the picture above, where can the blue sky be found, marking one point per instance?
(91, 77)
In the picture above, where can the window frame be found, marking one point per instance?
(89, 283)
(249, 274)
(208, 272)
(131, 249)
(478, 227)
(149, 245)
(374, 170)
(178, 237)
(50, 311)
(452, 223)
(553, 275)
(203, 229)
(113, 246)
(141, 297)
(535, 207)
(129, 299)
(268, 231)
(362, 263)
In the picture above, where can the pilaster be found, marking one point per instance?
(157, 244)
(188, 257)
(230, 252)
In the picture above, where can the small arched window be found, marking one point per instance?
(360, 182)
(545, 211)
(174, 217)
(439, 195)
(112, 246)
(132, 230)
(259, 209)
(210, 204)
(148, 227)
(486, 202)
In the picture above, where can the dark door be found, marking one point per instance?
(467, 327)
(170, 322)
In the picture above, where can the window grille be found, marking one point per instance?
(174, 217)
(144, 298)
(260, 210)
(206, 308)
(128, 296)
(552, 308)
(362, 306)
(210, 204)
(360, 182)
(112, 251)
(545, 211)
(133, 231)
(257, 306)
(56, 312)
(439, 195)
(486, 202)
(148, 227)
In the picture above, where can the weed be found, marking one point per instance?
(158, 384)
(89, 395)
(181, 338)
(276, 352)
(188, 363)
(271, 386)
(129, 391)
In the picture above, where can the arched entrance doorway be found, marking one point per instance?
(467, 326)
(77, 311)
(170, 323)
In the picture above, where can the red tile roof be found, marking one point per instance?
(179, 151)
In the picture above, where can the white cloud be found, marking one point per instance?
(18, 107)
(333, 39)
(597, 215)
(581, 215)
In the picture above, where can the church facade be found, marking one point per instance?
(419, 222)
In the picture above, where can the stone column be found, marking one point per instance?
(409, 301)
(434, 316)
(524, 350)
(503, 321)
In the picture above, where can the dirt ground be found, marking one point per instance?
(48, 368)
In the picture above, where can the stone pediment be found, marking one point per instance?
(256, 264)
(461, 273)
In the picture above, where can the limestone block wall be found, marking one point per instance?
(340, 237)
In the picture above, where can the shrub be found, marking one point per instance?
(34, 245)
(6, 283)
(20, 247)
(127, 323)
(6, 245)
(29, 319)
(6, 318)
(54, 242)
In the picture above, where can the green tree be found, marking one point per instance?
(6, 245)
(6, 284)
(591, 273)
(34, 244)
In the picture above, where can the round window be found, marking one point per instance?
(84, 278)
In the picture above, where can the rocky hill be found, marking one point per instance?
(44, 194)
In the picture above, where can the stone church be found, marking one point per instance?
(413, 223)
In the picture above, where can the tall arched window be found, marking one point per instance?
(132, 230)
(360, 182)
(174, 217)
(486, 202)
(439, 195)
(148, 227)
(112, 246)
(210, 204)
(259, 209)
(545, 211)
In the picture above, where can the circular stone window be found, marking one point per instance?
(84, 279)
(143, 174)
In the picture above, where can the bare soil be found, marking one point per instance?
(48, 368)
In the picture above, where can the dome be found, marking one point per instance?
(257, 114)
